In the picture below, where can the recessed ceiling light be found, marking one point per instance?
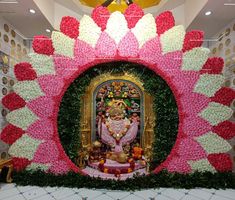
(48, 30)
(8, 1)
(208, 13)
(32, 11)
(229, 4)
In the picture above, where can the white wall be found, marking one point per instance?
(11, 56)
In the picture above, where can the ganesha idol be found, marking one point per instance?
(117, 131)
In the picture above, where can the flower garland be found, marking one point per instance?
(168, 52)
(117, 172)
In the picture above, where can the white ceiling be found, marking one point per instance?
(220, 17)
(29, 25)
(18, 15)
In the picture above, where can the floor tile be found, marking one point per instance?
(132, 197)
(161, 197)
(34, 193)
(12, 192)
(215, 197)
(117, 194)
(90, 194)
(201, 194)
(26, 188)
(4, 186)
(8, 193)
(190, 197)
(51, 189)
(73, 197)
(15, 197)
(173, 193)
(62, 193)
(103, 197)
(45, 197)
(145, 194)
(230, 194)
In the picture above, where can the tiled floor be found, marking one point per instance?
(13, 192)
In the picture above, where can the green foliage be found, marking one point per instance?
(162, 179)
(164, 106)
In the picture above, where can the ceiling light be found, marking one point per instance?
(8, 1)
(208, 13)
(32, 11)
(229, 4)
(48, 30)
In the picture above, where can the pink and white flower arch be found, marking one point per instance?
(177, 56)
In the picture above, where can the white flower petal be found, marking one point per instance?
(195, 59)
(42, 64)
(89, 31)
(21, 118)
(145, 29)
(28, 90)
(173, 39)
(209, 84)
(117, 26)
(63, 44)
(24, 147)
(212, 143)
(201, 166)
(38, 166)
(216, 113)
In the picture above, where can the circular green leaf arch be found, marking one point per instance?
(165, 108)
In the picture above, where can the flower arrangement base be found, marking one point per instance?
(111, 169)
(98, 174)
(111, 164)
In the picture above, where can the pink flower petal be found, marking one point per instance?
(151, 51)
(193, 103)
(179, 165)
(164, 22)
(47, 152)
(189, 149)
(59, 167)
(101, 15)
(193, 39)
(133, 14)
(213, 66)
(195, 126)
(65, 67)
(42, 129)
(106, 46)
(84, 53)
(51, 85)
(128, 46)
(42, 106)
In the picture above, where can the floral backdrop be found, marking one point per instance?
(195, 79)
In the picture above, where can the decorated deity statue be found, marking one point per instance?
(117, 131)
